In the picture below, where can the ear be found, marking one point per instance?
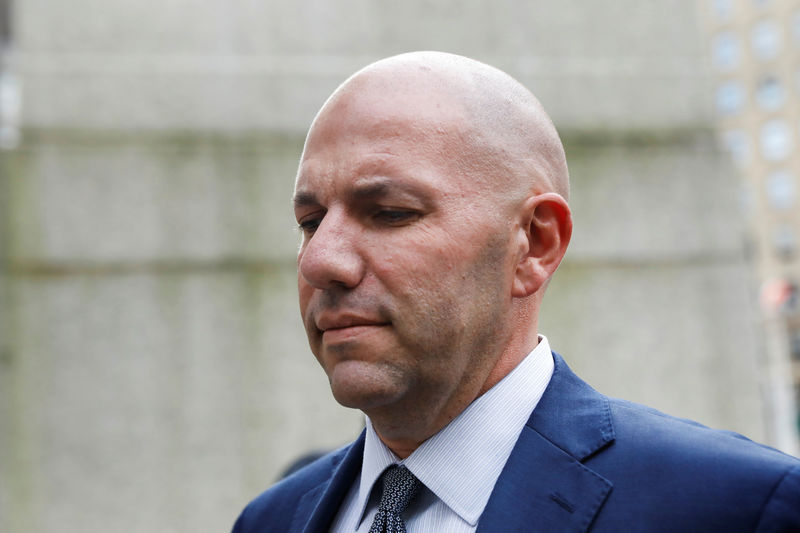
(544, 233)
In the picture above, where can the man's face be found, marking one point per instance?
(404, 273)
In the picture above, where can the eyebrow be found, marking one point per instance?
(375, 188)
(305, 199)
(368, 190)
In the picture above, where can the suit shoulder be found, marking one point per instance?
(715, 480)
(275, 507)
(662, 432)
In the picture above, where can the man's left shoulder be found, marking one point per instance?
(666, 435)
(656, 456)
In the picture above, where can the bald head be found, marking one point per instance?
(498, 129)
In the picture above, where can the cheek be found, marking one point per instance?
(420, 260)
(426, 286)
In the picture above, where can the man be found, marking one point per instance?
(432, 197)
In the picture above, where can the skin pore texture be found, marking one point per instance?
(432, 198)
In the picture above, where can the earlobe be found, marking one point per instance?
(546, 227)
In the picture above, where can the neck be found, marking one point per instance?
(400, 449)
(404, 434)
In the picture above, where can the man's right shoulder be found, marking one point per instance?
(274, 509)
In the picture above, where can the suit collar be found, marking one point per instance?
(572, 415)
(318, 507)
(544, 485)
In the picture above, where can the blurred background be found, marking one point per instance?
(154, 374)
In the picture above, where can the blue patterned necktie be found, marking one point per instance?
(399, 487)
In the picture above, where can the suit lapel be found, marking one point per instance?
(318, 507)
(544, 485)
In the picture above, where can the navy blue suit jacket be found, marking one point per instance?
(585, 462)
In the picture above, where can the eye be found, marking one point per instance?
(395, 216)
(308, 225)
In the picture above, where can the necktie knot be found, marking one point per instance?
(399, 488)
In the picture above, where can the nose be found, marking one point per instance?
(330, 257)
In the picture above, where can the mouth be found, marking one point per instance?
(336, 329)
(349, 333)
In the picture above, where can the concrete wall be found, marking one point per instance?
(242, 64)
(153, 370)
(654, 300)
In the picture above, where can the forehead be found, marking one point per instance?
(390, 107)
(370, 132)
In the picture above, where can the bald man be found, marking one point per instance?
(432, 196)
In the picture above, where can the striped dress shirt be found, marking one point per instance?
(459, 465)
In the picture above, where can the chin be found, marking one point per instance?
(364, 386)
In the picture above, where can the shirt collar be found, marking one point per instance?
(461, 463)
